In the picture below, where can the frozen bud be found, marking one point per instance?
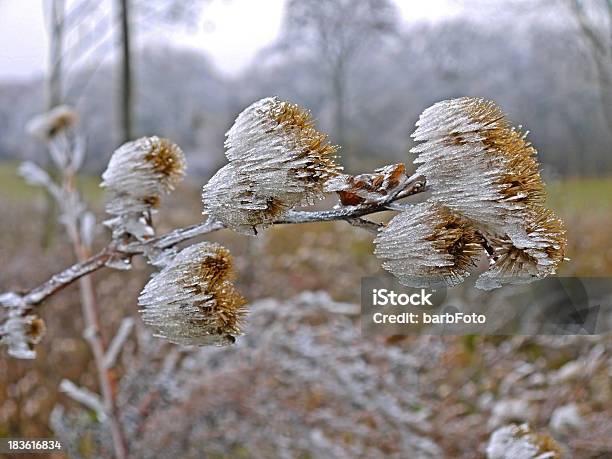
(478, 165)
(428, 245)
(47, 125)
(138, 174)
(278, 156)
(539, 257)
(19, 331)
(192, 300)
(520, 442)
(365, 189)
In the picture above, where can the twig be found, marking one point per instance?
(62, 279)
(85, 396)
(117, 343)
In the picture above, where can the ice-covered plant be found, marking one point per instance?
(277, 160)
(138, 175)
(487, 199)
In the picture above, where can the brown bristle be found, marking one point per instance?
(152, 201)
(37, 330)
(458, 238)
(213, 278)
(166, 158)
(313, 142)
(521, 182)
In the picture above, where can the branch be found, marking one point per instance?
(350, 214)
(84, 396)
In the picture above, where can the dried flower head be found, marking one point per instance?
(233, 199)
(520, 442)
(427, 245)
(539, 258)
(478, 165)
(21, 330)
(138, 174)
(47, 125)
(192, 300)
(355, 190)
(277, 157)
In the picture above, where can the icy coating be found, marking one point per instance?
(369, 188)
(20, 331)
(514, 265)
(138, 174)
(277, 160)
(484, 170)
(519, 442)
(428, 245)
(192, 300)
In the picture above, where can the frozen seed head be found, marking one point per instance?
(229, 197)
(192, 301)
(278, 158)
(428, 245)
(47, 125)
(138, 174)
(520, 442)
(20, 331)
(512, 264)
(478, 165)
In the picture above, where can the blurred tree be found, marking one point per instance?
(54, 12)
(333, 33)
(171, 12)
(595, 20)
(125, 94)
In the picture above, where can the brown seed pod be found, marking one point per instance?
(478, 165)
(192, 300)
(138, 174)
(427, 245)
(277, 160)
(541, 257)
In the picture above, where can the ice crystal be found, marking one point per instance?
(485, 171)
(478, 165)
(277, 160)
(47, 125)
(519, 442)
(138, 174)
(192, 300)
(20, 331)
(513, 264)
(427, 245)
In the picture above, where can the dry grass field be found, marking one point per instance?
(281, 263)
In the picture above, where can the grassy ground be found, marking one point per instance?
(280, 263)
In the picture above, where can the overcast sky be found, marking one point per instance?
(232, 33)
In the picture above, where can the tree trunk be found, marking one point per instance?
(338, 94)
(53, 98)
(126, 95)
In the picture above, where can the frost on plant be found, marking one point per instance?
(512, 264)
(520, 442)
(192, 300)
(277, 160)
(20, 331)
(364, 189)
(485, 172)
(476, 164)
(47, 125)
(138, 174)
(428, 244)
